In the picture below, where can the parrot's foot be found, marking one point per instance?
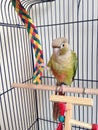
(43, 65)
(61, 90)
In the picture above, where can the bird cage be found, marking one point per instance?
(77, 20)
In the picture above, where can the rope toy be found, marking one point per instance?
(34, 38)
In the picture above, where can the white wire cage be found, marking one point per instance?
(77, 20)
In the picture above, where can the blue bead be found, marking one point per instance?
(61, 118)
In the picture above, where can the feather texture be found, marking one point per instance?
(64, 67)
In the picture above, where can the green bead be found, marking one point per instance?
(61, 118)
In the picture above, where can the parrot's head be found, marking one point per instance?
(60, 46)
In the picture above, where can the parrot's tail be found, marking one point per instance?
(56, 110)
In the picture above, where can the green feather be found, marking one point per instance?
(64, 67)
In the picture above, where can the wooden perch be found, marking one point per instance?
(53, 88)
(68, 117)
(81, 124)
(72, 100)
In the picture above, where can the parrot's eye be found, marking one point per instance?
(62, 45)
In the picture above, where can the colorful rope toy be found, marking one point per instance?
(34, 38)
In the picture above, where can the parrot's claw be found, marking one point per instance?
(61, 90)
(57, 89)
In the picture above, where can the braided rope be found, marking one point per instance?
(34, 38)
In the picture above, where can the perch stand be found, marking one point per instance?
(70, 101)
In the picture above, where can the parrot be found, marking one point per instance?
(63, 65)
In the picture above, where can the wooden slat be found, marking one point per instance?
(71, 99)
(68, 117)
(81, 124)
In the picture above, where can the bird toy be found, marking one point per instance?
(34, 38)
(62, 110)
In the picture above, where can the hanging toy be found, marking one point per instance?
(34, 38)
(61, 118)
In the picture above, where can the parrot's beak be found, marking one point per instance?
(56, 51)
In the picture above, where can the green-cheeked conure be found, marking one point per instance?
(63, 64)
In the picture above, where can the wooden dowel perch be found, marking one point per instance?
(72, 100)
(53, 88)
(81, 124)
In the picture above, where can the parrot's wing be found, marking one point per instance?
(49, 65)
(75, 64)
